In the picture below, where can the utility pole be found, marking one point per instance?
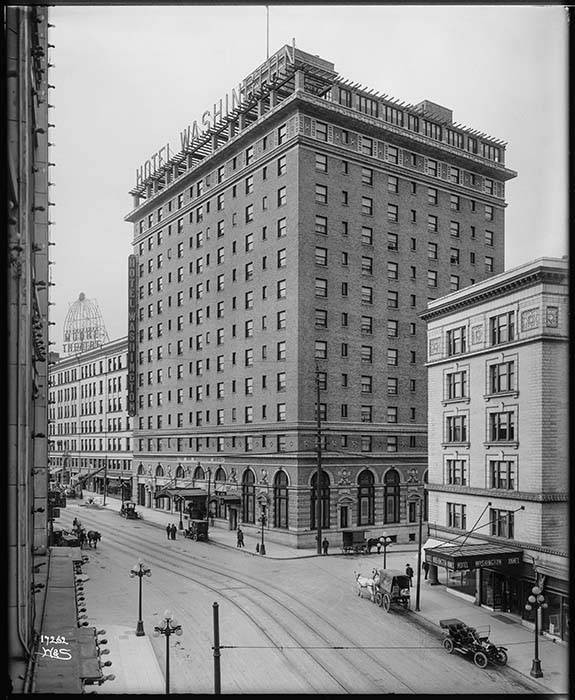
(319, 483)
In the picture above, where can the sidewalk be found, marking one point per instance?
(436, 603)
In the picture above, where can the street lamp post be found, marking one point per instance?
(208, 498)
(385, 541)
(536, 601)
(167, 627)
(140, 570)
(263, 521)
(181, 523)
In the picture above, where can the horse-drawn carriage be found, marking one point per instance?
(128, 511)
(197, 530)
(472, 641)
(354, 542)
(391, 589)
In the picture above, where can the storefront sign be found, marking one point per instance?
(460, 561)
(132, 332)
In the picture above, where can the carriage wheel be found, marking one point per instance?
(448, 645)
(480, 659)
(386, 602)
(379, 598)
(501, 656)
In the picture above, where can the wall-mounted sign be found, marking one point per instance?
(132, 333)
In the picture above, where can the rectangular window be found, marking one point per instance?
(367, 206)
(432, 251)
(392, 385)
(367, 105)
(456, 385)
(281, 289)
(432, 222)
(367, 235)
(502, 523)
(392, 241)
(456, 515)
(282, 133)
(321, 131)
(502, 328)
(392, 328)
(366, 414)
(454, 228)
(432, 167)
(320, 256)
(431, 195)
(502, 377)
(321, 224)
(391, 443)
(488, 263)
(502, 426)
(392, 212)
(456, 341)
(432, 278)
(456, 428)
(320, 352)
(321, 162)
(454, 175)
(366, 295)
(454, 202)
(392, 270)
(454, 283)
(321, 318)
(282, 196)
(392, 299)
(488, 212)
(366, 176)
(321, 194)
(367, 265)
(282, 165)
(366, 325)
(366, 354)
(502, 474)
(392, 356)
(320, 287)
(366, 146)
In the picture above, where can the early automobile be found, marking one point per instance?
(128, 511)
(197, 530)
(391, 589)
(472, 641)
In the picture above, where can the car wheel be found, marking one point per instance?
(448, 645)
(386, 602)
(480, 659)
(501, 657)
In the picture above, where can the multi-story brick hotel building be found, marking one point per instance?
(293, 243)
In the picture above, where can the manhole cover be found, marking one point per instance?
(502, 618)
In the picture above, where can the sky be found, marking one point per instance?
(129, 79)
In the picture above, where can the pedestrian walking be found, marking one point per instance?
(169, 530)
(425, 567)
(174, 529)
(325, 545)
(240, 537)
(409, 572)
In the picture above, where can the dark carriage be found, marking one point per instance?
(197, 530)
(128, 511)
(391, 589)
(354, 542)
(472, 641)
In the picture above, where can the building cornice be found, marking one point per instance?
(504, 494)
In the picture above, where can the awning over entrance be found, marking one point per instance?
(461, 557)
(183, 492)
(230, 497)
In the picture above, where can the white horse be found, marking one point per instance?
(367, 584)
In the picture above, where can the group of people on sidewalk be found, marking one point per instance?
(171, 530)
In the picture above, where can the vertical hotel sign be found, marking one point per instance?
(132, 331)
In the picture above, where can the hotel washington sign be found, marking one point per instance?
(132, 332)
(221, 109)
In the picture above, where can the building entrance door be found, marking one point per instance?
(233, 518)
(343, 516)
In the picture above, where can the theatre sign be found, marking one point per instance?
(472, 556)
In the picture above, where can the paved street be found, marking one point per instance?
(290, 626)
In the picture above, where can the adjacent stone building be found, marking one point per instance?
(498, 439)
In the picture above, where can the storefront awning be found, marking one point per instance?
(461, 557)
(183, 492)
(230, 497)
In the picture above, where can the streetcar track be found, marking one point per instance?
(168, 566)
(250, 584)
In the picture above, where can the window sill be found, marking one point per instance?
(501, 395)
(501, 443)
(462, 445)
(459, 399)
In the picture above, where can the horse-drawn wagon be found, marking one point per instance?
(472, 641)
(354, 542)
(391, 589)
(197, 530)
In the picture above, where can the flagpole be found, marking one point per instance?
(267, 31)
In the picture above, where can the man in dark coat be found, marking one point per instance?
(169, 530)
(409, 572)
(174, 529)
